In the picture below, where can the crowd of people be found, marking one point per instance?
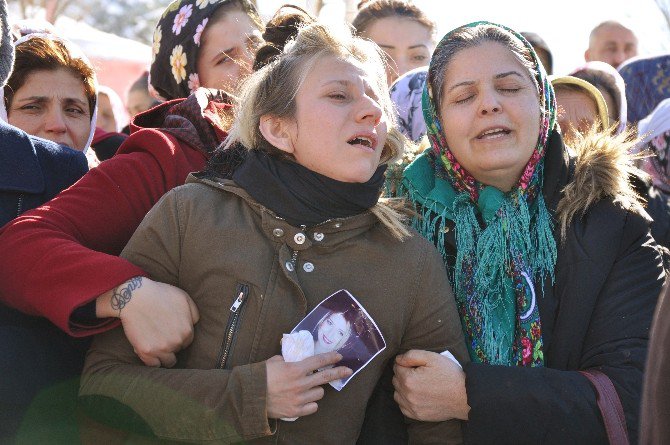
(505, 229)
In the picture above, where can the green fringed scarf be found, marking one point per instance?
(504, 241)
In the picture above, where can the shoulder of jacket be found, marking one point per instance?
(603, 171)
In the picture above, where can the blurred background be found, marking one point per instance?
(116, 34)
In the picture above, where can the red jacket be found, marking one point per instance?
(64, 254)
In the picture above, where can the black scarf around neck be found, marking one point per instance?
(302, 196)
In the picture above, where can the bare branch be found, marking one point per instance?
(664, 6)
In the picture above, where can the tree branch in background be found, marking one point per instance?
(664, 6)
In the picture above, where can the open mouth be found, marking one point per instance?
(494, 133)
(326, 340)
(365, 141)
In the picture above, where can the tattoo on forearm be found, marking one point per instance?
(122, 294)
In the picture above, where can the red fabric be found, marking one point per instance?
(64, 254)
(100, 135)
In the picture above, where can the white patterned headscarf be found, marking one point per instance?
(406, 95)
(654, 131)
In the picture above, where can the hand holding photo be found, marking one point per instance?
(339, 323)
(295, 347)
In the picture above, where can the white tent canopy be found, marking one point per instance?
(101, 45)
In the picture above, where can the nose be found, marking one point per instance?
(402, 66)
(370, 110)
(619, 58)
(55, 121)
(489, 103)
(392, 70)
(246, 61)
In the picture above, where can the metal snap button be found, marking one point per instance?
(289, 266)
(308, 267)
(318, 236)
(278, 232)
(299, 238)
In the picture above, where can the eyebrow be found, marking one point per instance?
(344, 83)
(225, 52)
(347, 83)
(420, 45)
(507, 74)
(74, 100)
(497, 76)
(43, 99)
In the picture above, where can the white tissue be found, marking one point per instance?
(451, 357)
(294, 348)
(297, 346)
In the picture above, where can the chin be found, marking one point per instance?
(358, 174)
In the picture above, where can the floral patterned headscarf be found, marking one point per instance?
(504, 240)
(176, 42)
(655, 133)
(646, 84)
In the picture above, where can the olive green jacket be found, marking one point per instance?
(215, 242)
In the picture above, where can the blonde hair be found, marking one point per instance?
(272, 91)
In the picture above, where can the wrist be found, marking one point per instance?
(103, 308)
(112, 302)
(464, 411)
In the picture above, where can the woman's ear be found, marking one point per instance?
(276, 131)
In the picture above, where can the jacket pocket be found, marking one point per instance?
(232, 326)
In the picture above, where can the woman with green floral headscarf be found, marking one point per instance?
(554, 271)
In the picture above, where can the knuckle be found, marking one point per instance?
(325, 359)
(328, 375)
(144, 351)
(311, 408)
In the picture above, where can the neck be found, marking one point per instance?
(504, 182)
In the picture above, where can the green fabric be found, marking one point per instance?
(440, 203)
(504, 240)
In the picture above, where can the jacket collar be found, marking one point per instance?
(558, 169)
(327, 234)
(21, 170)
(200, 120)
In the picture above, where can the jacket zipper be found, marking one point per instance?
(19, 206)
(294, 255)
(233, 320)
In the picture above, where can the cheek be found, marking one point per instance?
(29, 124)
(80, 131)
(529, 117)
(454, 130)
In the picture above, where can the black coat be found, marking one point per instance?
(33, 170)
(596, 315)
(658, 206)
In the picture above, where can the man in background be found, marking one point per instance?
(611, 42)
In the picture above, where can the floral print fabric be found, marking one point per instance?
(504, 240)
(655, 133)
(176, 42)
(646, 84)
